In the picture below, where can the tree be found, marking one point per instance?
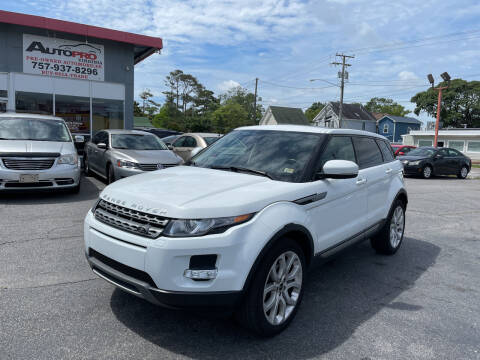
(313, 110)
(228, 117)
(169, 118)
(241, 96)
(386, 106)
(149, 106)
(137, 111)
(460, 103)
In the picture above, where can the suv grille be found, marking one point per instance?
(28, 164)
(153, 167)
(133, 221)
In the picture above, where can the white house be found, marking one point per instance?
(284, 115)
(355, 116)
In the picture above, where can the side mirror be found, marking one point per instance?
(195, 151)
(401, 153)
(102, 145)
(79, 138)
(439, 156)
(338, 169)
(170, 146)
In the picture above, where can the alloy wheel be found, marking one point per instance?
(397, 225)
(427, 172)
(282, 288)
(464, 172)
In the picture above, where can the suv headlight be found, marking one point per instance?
(70, 159)
(199, 227)
(127, 164)
(414, 162)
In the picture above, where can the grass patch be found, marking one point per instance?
(476, 166)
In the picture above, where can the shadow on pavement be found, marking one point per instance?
(89, 190)
(339, 297)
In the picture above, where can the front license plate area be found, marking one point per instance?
(28, 178)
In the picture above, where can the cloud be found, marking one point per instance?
(407, 75)
(227, 85)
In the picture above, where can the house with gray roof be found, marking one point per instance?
(393, 127)
(354, 116)
(276, 115)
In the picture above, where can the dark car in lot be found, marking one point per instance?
(401, 150)
(430, 161)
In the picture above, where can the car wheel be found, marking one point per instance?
(427, 172)
(86, 166)
(110, 174)
(462, 174)
(388, 240)
(276, 290)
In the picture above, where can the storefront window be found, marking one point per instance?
(425, 143)
(456, 144)
(75, 110)
(107, 114)
(34, 103)
(474, 146)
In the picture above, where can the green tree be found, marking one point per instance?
(169, 118)
(386, 106)
(244, 98)
(313, 110)
(460, 103)
(228, 117)
(137, 111)
(149, 106)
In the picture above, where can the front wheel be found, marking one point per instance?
(462, 174)
(388, 240)
(276, 290)
(427, 172)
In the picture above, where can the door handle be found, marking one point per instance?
(361, 181)
(388, 171)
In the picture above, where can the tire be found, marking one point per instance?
(110, 174)
(463, 172)
(388, 240)
(86, 166)
(427, 172)
(263, 314)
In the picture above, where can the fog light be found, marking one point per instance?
(208, 274)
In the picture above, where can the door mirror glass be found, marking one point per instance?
(338, 169)
(79, 138)
(102, 145)
(170, 146)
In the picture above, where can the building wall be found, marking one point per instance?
(395, 130)
(387, 125)
(118, 56)
(268, 119)
(402, 129)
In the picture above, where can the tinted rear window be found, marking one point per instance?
(386, 150)
(368, 153)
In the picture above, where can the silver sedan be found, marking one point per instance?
(115, 154)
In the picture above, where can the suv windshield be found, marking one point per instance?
(280, 155)
(137, 142)
(33, 129)
(422, 152)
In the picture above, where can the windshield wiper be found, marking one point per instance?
(242, 169)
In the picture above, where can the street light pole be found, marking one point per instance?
(446, 77)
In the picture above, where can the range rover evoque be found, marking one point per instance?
(240, 226)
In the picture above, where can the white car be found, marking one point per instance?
(240, 226)
(37, 152)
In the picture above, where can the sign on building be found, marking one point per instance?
(63, 58)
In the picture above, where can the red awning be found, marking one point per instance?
(146, 44)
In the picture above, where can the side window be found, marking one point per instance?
(190, 142)
(338, 148)
(443, 152)
(386, 150)
(179, 142)
(406, 149)
(453, 153)
(96, 138)
(368, 152)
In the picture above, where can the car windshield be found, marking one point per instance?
(33, 129)
(279, 155)
(137, 142)
(211, 139)
(422, 152)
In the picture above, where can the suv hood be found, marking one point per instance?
(147, 156)
(31, 146)
(193, 192)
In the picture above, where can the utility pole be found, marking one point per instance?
(342, 84)
(255, 103)
(446, 77)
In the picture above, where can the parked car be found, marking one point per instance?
(430, 161)
(161, 133)
(37, 152)
(240, 227)
(168, 140)
(115, 154)
(401, 150)
(188, 144)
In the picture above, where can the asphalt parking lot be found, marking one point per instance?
(422, 303)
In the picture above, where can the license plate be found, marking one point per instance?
(28, 178)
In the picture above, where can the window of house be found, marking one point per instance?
(385, 128)
(456, 144)
(425, 143)
(368, 152)
(473, 146)
(36, 103)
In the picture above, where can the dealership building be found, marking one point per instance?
(82, 73)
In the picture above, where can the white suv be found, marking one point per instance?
(240, 226)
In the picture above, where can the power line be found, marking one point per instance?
(294, 87)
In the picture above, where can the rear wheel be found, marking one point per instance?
(276, 290)
(110, 174)
(427, 172)
(388, 240)
(462, 174)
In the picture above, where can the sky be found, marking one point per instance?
(286, 43)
